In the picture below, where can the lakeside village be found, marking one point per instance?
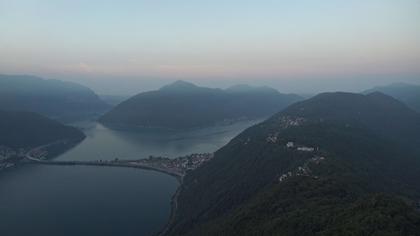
(179, 165)
(300, 170)
(304, 169)
(9, 156)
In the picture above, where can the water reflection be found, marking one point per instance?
(80, 200)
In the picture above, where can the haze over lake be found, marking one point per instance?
(79, 200)
(209, 118)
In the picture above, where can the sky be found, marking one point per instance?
(124, 47)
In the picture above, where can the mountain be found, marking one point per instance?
(55, 99)
(376, 111)
(182, 87)
(184, 105)
(27, 129)
(113, 100)
(335, 164)
(244, 88)
(407, 93)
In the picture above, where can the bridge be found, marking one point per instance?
(177, 167)
(140, 163)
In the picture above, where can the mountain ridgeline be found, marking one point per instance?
(335, 164)
(64, 101)
(406, 93)
(184, 105)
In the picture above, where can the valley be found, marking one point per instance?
(209, 118)
(141, 195)
(334, 153)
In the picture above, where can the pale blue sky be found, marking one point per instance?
(289, 43)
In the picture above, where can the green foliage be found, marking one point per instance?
(406, 93)
(183, 105)
(26, 129)
(305, 206)
(377, 112)
(238, 192)
(52, 98)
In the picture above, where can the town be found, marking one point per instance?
(180, 165)
(302, 170)
(9, 157)
(177, 167)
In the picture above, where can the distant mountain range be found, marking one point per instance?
(113, 100)
(335, 164)
(64, 101)
(407, 93)
(184, 105)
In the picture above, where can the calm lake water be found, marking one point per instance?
(83, 200)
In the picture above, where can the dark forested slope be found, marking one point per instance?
(359, 178)
(55, 99)
(406, 93)
(184, 105)
(27, 130)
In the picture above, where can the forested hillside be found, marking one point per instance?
(333, 164)
(64, 101)
(183, 105)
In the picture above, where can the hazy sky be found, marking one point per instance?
(124, 46)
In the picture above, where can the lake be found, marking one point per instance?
(87, 200)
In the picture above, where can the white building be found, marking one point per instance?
(283, 177)
(290, 144)
(271, 139)
(306, 149)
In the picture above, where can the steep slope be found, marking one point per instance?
(55, 99)
(113, 100)
(26, 132)
(376, 111)
(406, 93)
(184, 105)
(259, 185)
(27, 129)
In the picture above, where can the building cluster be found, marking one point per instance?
(299, 147)
(9, 156)
(193, 161)
(272, 138)
(39, 153)
(305, 149)
(302, 170)
(283, 177)
(317, 159)
(5, 165)
(180, 164)
(6, 152)
(289, 121)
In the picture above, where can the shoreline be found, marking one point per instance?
(30, 160)
(125, 127)
(54, 150)
(174, 198)
(174, 207)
